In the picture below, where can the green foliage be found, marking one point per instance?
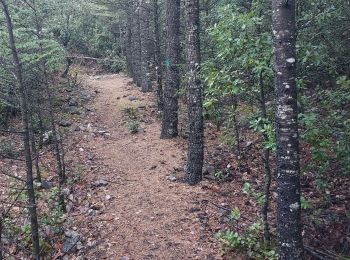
(249, 243)
(131, 112)
(221, 176)
(133, 126)
(250, 191)
(243, 54)
(8, 149)
(265, 127)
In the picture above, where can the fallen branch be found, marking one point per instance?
(12, 176)
(318, 254)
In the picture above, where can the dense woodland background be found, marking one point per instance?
(151, 41)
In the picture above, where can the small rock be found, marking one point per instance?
(208, 170)
(89, 128)
(132, 98)
(65, 123)
(125, 258)
(248, 144)
(171, 178)
(66, 191)
(46, 185)
(73, 110)
(92, 212)
(192, 210)
(73, 102)
(48, 137)
(96, 207)
(71, 242)
(100, 183)
(85, 97)
(108, 197)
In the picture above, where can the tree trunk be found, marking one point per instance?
(172, 75)
(146, 84)
(26, 135)
(267, 168)
(34, 149)
(289, 224)
(158, 56)
(129, 51)
(136, 44)
(195, 109)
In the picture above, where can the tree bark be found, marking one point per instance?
(172, 74)
(146, 84)
(158, 56)
(26, 135)
(129, 38)
(289, 224)
(136, 44)
(195, 108)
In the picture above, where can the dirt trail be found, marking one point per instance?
(144, 215)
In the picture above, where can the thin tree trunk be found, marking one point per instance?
(158, 56)
(267, 169)
(34, 149)
(195, 108)
(172, 77)
(136, 44)
(129, 51)
(146, 84)
(41, 130)
(289, 226)
(26, 135)
(236, 128)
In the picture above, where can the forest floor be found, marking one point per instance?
(135, 206)
(129, 200)
(125, 195)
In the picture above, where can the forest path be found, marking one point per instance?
(143, 215)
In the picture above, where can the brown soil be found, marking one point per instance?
(140, 214)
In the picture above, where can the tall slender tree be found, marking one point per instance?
(26, 136)
(136, 43)
(172, 74)
(158, 54)
(195, 106)
(288, 170)
(129, 39)
(145, 46)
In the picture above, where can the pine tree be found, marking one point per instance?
(172, 75)
(195, 109)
